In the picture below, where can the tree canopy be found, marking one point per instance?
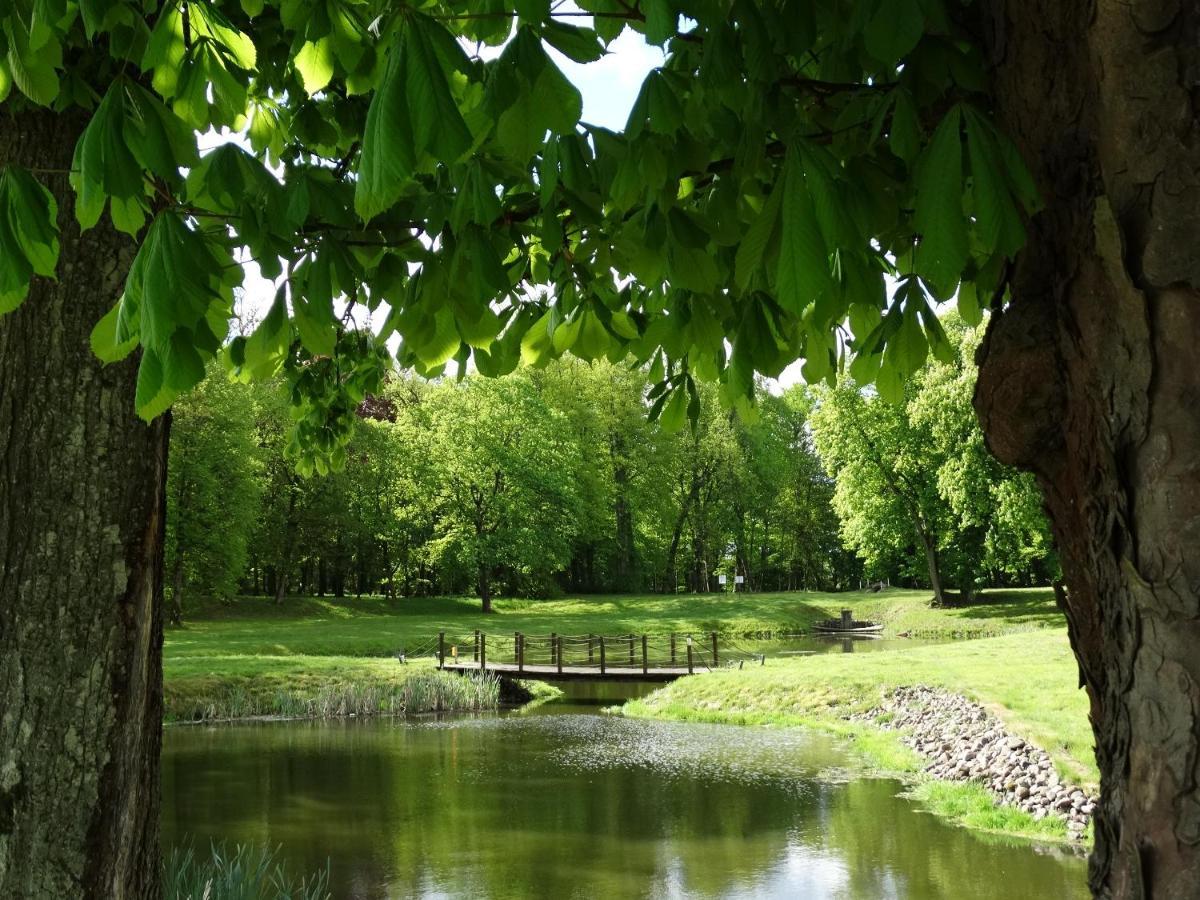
(917, 489)
(534, 483)
(427, 162)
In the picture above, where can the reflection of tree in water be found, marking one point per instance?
(890, 851)
(560, 806)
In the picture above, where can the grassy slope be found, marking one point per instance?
(1028, 680)
(252, 645)
(372, 626)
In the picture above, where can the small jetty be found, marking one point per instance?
(847, 625)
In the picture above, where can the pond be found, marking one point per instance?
(564, 801)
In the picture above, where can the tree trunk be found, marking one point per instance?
(1090, 379)
(82, 503)
(625, 564)
(935, 569)
(484, 584)
(176, 608)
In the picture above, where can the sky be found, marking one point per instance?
(609, 87)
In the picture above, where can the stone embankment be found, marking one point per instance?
(964, 743)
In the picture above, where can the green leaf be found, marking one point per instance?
(183, 367)
(661, 20)
(904, 136)
(674, 413)
(33, 68)
(997, 222)
(580, 44)
(437, 124)
(149, 385)
(104, 342)
(388, 147)
(314, 64)
(753, 246)
(266, 348)
(803, 273)
(968, 303)
(32, 217)
(28, 235)
(207, 21)
(939, 217)
(894, 29)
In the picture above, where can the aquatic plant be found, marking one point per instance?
(419, 692)
(241, 873)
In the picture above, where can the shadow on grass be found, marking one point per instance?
(1015, 606)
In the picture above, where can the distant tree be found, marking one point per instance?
(914, 474)
(214, 488)
(503, 462)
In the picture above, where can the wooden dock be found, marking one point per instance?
(590, 657)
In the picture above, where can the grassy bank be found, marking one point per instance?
(310, 656)
(317, 687)
(1027, 680)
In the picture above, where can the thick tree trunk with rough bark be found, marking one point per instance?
(82, 486)
(1091, 379)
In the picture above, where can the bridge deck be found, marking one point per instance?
(576, 673)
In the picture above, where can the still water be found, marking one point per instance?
(568, 802)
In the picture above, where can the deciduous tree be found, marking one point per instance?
(784, 157)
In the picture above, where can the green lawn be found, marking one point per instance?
(239, 655)
(372, 626)
(1028, 680)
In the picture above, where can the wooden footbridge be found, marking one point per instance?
(587, 657)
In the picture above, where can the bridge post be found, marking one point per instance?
(558, 654)
(482, 652)
(441, 649)
(672, 648)
(645, 664)
(591, 649)
(631, 660)
(516, 643)
(475, 655)
(601, 654)
(689, 648)
(714, 643)
(520, 652)
(553, 647)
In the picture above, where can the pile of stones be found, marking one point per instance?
(964, 743)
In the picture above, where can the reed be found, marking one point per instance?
(241, 873)
(422, 691)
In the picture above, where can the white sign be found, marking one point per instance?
(739, 579)
(721, 580)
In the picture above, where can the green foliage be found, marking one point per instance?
(214, 485)
(912, 469)
(28, 235)
(240, 873)
(782, 163)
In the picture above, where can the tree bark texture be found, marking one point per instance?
(82, 505)
(1091, 379)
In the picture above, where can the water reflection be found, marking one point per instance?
(579, 805)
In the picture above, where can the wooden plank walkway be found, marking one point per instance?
(575, 673)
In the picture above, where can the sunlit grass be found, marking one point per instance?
(1028, 680)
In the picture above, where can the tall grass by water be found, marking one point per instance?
(418, 691)
(240, 873)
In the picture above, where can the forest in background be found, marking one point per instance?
(558, 479)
